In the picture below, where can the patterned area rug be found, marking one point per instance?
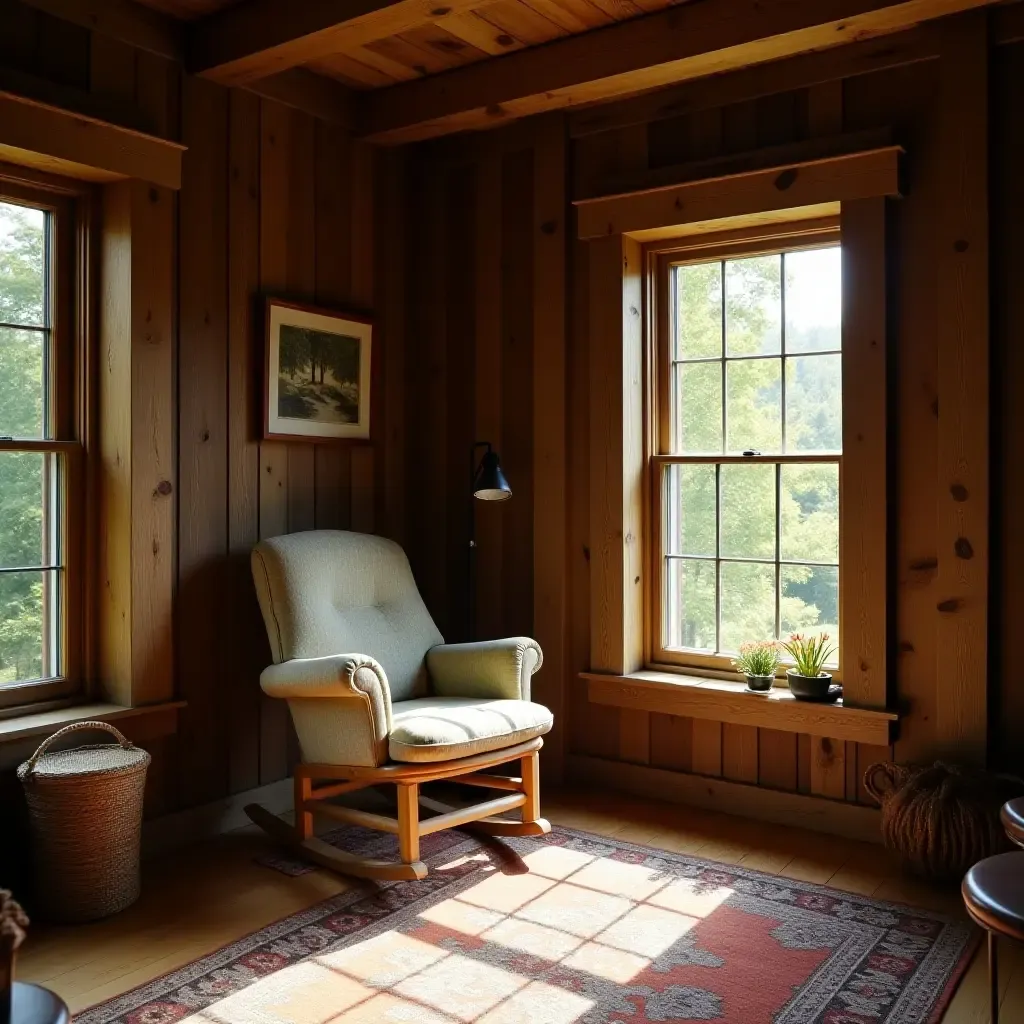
(569, 928)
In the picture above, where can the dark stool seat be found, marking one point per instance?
(1012, 817)
(993, 892)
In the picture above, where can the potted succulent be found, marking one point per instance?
(807, 680)
(758, 661)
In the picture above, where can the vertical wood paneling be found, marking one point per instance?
(706, 747)
(550, 563)
(460, 214)
(828, 767)
(963, 392)
(391, 236)
(152, 431)
(333, 215)
(672, 742)
(246, 650)
(1008, 329)
(739, 753)
(777, 759)
(363, 497)
(517, 347)
(487, 390)
(202, 439)
(275, 184)
(864, 542)
(275, 140)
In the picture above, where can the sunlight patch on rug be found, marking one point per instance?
(570, 928)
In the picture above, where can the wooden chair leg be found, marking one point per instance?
(303, 791)
(409, 821)
(531, 786)
(993, 976)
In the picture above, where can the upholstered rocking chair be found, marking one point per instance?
(376, 697)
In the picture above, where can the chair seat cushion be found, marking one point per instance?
(993, 892)
(446, 728)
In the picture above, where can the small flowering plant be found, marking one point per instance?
(758, 658)
(809, 653)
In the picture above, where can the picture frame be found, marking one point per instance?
(318, 382)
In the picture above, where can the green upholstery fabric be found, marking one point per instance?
(340, 705)
(446, 728)
(490, 668)
(326, 591)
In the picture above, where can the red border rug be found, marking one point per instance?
(570, 928)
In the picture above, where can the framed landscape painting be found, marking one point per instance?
(318, 374)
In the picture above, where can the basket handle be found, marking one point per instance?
(126, 744)
(883, 779)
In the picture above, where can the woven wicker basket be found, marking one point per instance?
(85, 806)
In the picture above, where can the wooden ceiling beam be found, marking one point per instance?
(258, 38)
(688, 41)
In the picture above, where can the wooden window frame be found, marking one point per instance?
(72, 204)
(658, 258)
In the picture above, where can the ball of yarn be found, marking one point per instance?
(942, 819)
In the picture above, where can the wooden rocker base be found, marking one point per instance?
(484, 817)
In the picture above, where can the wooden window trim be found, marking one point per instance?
(863, 542)
(73, 204)
(659, 259)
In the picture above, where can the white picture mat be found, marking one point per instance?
(277, 424)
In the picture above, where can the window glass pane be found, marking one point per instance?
(748, 511)
(810, 600)
(22, 265)
(814, 288)
(690, 604)
(694, 520)
(753, 306)
(22, 382)
(748, 603)
(699, 408)
(814, 404)
(754, 405)
(29, 607)
(699, 311)
(809, 500)
(28, 510)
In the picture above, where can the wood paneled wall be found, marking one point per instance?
(951, 623)
(273, 202)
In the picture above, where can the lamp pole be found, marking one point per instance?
(486, 483)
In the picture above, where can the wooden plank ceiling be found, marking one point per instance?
(452, 39)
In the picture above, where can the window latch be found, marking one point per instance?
(750, 452)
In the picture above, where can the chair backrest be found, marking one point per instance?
(331, 592)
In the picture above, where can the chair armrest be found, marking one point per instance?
(493, 669)
(355, 677)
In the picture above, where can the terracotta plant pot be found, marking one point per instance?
(809, 687)
(760, 683)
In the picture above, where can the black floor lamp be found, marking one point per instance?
(487, 483)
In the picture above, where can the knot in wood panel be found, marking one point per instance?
(951, 604)
(787, 179)
(963, 548)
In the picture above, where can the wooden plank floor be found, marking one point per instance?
(209, 895)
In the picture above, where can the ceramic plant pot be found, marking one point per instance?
(809, 687)
(760, 683)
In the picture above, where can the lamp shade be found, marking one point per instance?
(490, 483)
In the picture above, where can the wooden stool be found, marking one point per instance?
(993, 892)
(1012, 817)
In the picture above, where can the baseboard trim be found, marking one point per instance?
(851, 821)
(183, 828)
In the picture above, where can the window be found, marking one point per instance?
(40, 450)
(749, 425)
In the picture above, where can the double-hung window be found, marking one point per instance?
(748, 446)
(41, 459)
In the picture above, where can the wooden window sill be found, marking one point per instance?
(723, 701)
(19, 736)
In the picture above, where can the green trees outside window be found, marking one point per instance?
(752, 543)
(25, 529)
